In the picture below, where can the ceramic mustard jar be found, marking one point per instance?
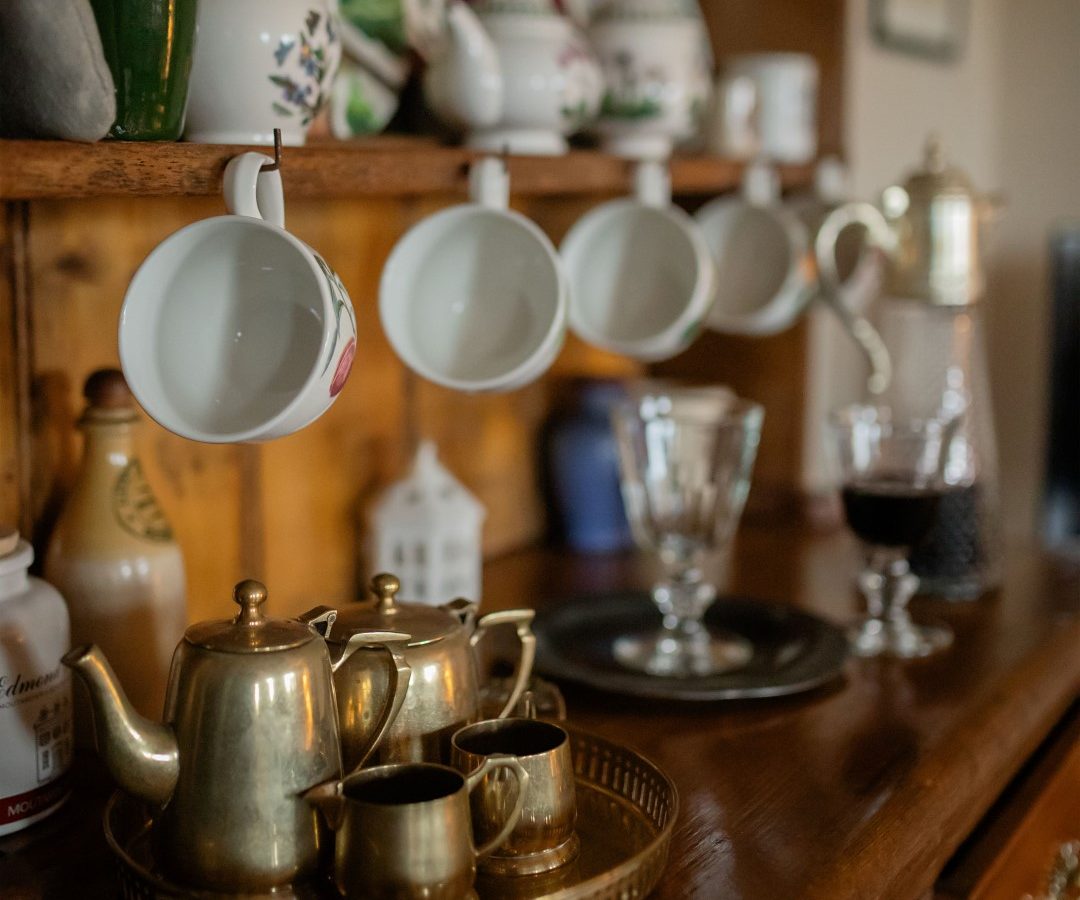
(444, 692)
(515, 74)
(249, 727)
(112, 553)
(35, 691)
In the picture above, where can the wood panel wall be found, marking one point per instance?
(293, 512)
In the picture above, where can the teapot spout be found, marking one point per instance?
(141, 755)
(463, 83)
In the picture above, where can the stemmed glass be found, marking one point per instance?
(685, 459)
(894, 475)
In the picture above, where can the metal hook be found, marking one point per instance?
(276, 164)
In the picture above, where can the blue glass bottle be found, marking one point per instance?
(583, 470)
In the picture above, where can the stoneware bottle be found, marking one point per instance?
(112, 553)
(35, 691)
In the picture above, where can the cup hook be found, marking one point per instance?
(276, 164)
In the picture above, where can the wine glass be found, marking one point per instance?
(893, 480)
(685, 458)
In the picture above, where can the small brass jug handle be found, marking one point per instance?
(472, 781)
(522, 619)
(400, 675)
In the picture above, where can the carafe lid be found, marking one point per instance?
(941, 217)
(426, 624)
(251, 631)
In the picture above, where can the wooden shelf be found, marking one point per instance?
(386, 166)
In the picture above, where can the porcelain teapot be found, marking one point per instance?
(516, 75)
(444, 692)
(249, 726)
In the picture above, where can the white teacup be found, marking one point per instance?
(763, 260)
(641, 277)
(233, 329)
(474, 297)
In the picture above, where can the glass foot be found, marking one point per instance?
(667, 656)
(903, 640)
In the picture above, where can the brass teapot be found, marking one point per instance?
(444, 692)
(250, 725)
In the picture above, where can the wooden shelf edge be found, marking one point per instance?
(379, 167)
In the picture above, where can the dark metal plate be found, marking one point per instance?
(794, 651)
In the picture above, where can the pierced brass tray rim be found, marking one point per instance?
(653, 853)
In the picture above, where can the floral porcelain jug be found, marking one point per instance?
(657, 67)
(261, 65)
(515, 74)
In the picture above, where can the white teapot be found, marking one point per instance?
(515, 74)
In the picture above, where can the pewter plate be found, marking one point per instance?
(626, 812)
(794, 651)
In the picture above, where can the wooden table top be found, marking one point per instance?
(862, 789)
(866, 788)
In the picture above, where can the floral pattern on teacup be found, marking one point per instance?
(340, 299)
(306, 65)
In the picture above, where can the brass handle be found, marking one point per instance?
(400, 675)
(320, 618)
(472, 781)
(522, 619)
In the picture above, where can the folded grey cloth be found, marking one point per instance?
(55, 81)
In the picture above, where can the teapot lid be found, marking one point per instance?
(251, 631)
(426, 624)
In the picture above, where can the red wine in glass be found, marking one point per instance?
(890, 512)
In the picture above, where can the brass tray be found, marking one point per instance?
(626, 811)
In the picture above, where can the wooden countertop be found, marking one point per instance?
(863, 789)
(866, 788)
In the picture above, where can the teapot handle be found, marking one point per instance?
(879, 237)
(400, 675)
(472, 781)
(522, 618)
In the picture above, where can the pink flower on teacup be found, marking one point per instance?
(344, 366)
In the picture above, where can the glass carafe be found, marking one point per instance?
(940, 370)
(929, 230)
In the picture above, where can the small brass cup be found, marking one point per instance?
(403, 830)
(544, 837)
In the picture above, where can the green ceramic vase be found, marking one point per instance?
(148, 44)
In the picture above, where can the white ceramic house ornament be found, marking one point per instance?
(427, 532)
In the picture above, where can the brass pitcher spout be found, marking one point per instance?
(141, 755)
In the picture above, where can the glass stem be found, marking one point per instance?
(682, 598)
(888, 585)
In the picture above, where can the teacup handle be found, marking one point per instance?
(522, 619)
(652, 183)
(249, 191)
(489, 183)
(400, 675)
(472, 781)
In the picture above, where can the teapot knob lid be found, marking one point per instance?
(385, 587)
(250, 595)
